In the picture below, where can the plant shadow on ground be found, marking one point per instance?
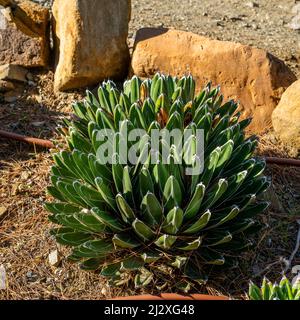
(25, 242)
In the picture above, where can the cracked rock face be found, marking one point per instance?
(24, 33)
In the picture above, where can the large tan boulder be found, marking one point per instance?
(91, 39)
(249, 75)
(286, 116)
(24, 33)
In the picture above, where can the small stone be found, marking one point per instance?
(54, 259)
(252, 4)
(2, 277)
(31, 276)
(104, 291)
(15, 189)
(49, 280)
(24, 175)
(38, 123)
(32, 83)
(295, 23)
(29, 76)
(13, 72)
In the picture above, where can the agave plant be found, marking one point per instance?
(269, 291)
(123, 218)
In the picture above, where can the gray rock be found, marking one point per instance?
(31, 276)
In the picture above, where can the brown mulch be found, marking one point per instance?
(25, 242)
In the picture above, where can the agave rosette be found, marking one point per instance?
(134, 217)
(285, 290)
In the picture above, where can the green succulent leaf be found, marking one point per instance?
(107, 219)
(160, 175)
(150, 257)
(193, 245)
(195, 203)
(127, 185)
(172, 193)
(273, 291)
(179, 262)
(173, 221)
(215, 194)
(111, 270)
(72, 238)
(133, 263)
(165, 241)
(61, 208)
(152, 210)
(254, 292)
(125, 210)
(223, 217)
(91, 264)
(106, 193)
(125, 240)
(145, 181)
(199, 224)
(219, 239)
(143, 278)
(142, 230)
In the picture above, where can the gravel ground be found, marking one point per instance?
(263, 23)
